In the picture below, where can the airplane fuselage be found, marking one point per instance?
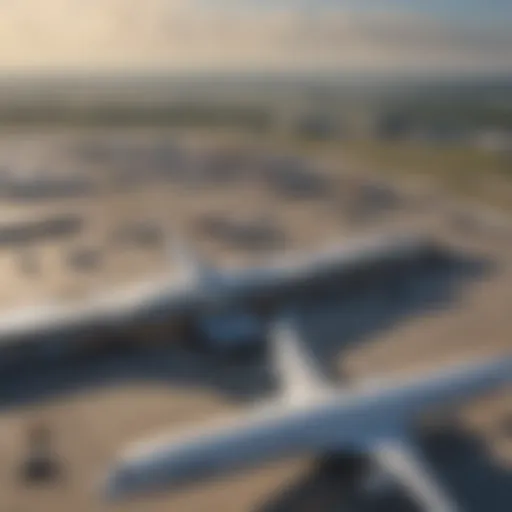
(227, 308)
(333, 422)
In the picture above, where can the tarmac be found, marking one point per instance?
(94, 407)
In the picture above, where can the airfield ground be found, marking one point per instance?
(94, 408)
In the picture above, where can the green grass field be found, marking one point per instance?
(467, 172)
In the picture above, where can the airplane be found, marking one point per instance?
(225, 309)
(373, 420)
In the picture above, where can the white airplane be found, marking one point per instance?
(223, 307)
(311, 417)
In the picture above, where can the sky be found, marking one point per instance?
(306, 35)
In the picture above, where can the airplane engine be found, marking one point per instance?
(230, 332)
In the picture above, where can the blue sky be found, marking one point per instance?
(441, 7)
(455, 11)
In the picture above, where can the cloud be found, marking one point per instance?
(177, 34)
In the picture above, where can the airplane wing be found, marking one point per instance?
(298, 372)
(199, 284)
(405, 463)
(160, 295)
(398, 456)
(365, 254)
(371, 420)
(145, 299)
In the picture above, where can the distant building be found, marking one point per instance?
(24, 231)
(392, 125)
(249, 233)
(45, 185)
(318, 126)
(84, 259)
(292, 178)
(494, 141)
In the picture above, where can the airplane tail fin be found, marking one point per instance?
(297, 369)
